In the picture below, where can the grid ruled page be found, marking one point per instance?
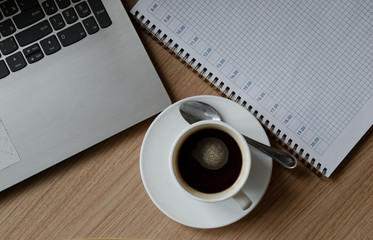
(305, 66)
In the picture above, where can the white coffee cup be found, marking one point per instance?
(187, 137)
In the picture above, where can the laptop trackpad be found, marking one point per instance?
(8, 154)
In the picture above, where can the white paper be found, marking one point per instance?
(305, 66)
(8, 154)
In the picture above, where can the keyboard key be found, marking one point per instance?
(70, 15)
(31, 50)
(8, 46)
(50, 45)
(16, 62)
(71, 35)
(49, 7)
(90, 25)
(35, 57)
(57, 21)
(82, 9)
(29, 16)
(34, 33)
(26, 4)
(9, 8)
(7, 27)
(63, 3)
(4, 71)
(100, 13)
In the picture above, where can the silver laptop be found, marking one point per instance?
(73, 73)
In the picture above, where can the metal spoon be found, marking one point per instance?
(194, 111)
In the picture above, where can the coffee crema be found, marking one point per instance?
(201, 178)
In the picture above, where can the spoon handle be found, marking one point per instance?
(285, 159)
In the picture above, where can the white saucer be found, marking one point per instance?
(171, 200)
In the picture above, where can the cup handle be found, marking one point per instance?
(243, 200)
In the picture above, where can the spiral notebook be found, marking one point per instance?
(304, 68)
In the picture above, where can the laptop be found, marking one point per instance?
(72, 73)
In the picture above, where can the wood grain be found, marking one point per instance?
(99, 194)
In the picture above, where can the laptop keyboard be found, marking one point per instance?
(33, 29)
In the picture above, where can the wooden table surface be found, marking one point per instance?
(99, 194)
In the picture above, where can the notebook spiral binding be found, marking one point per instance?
(225, 91)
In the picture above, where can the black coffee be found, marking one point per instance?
(207, 180)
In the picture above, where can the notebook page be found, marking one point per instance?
(306, 67)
